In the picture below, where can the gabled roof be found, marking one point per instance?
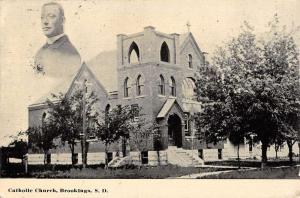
(104, 67)
(167, 107)
(184, 39)
(79, 73)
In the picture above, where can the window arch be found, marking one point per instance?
(140, 85)
(173, 86)
(126, 87)
(164, 53)
(161, 86)
(190, 59)
(133, 53)
(188, 88)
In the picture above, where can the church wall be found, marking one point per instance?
(35, 115)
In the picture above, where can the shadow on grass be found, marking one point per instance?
(98, 172)
(291, 172)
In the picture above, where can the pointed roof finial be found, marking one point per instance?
(188, 25)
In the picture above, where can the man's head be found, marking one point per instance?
(52, 19)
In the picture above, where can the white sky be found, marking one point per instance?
(92, 27)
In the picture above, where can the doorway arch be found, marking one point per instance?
(175, 130)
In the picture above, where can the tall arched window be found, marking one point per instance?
(161, 86)
(126, 87)
(190, 61)
(164, 53)
(173, 86)
(188, 89)
(133, 53)
(140, 85)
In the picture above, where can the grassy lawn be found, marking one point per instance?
(158, 172)
(267, 173)
(251, 163)
(98, 172)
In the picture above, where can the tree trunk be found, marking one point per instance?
(46, 152)
(290, 146)
(158, 157)
(276, 151)
(299, 150)
(238, 155)
(140, 160)
(72, 153)
(106, 156)
(124, 147)
(84, 152)
(264, 157)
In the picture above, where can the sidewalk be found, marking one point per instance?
(199, 175)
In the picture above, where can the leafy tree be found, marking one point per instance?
(256, 91)
(143, 131)
(115, 124)
(66, 116)
(281, 59)
(42, 138)
(21, 146)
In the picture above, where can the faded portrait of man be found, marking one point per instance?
(57, 58)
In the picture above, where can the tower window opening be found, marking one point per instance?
(164, 53)
(133, 53)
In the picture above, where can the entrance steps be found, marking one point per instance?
(119, 161)
(182, 157)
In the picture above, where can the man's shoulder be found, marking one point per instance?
(64, 45)
(52, 59)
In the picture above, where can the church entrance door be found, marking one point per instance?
(175, 130)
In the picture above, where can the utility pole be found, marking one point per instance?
(84, 125)
(84, 149)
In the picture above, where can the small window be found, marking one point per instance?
(107, 109)
(173, 86)
(190, 61)
(187, 125)
(144, 155)
(126, 87)
(140, 85)
(44, 118)
(164, 53)
(161, 85)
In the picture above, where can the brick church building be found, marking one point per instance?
(152, 70)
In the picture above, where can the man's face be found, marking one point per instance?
(52, 21)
